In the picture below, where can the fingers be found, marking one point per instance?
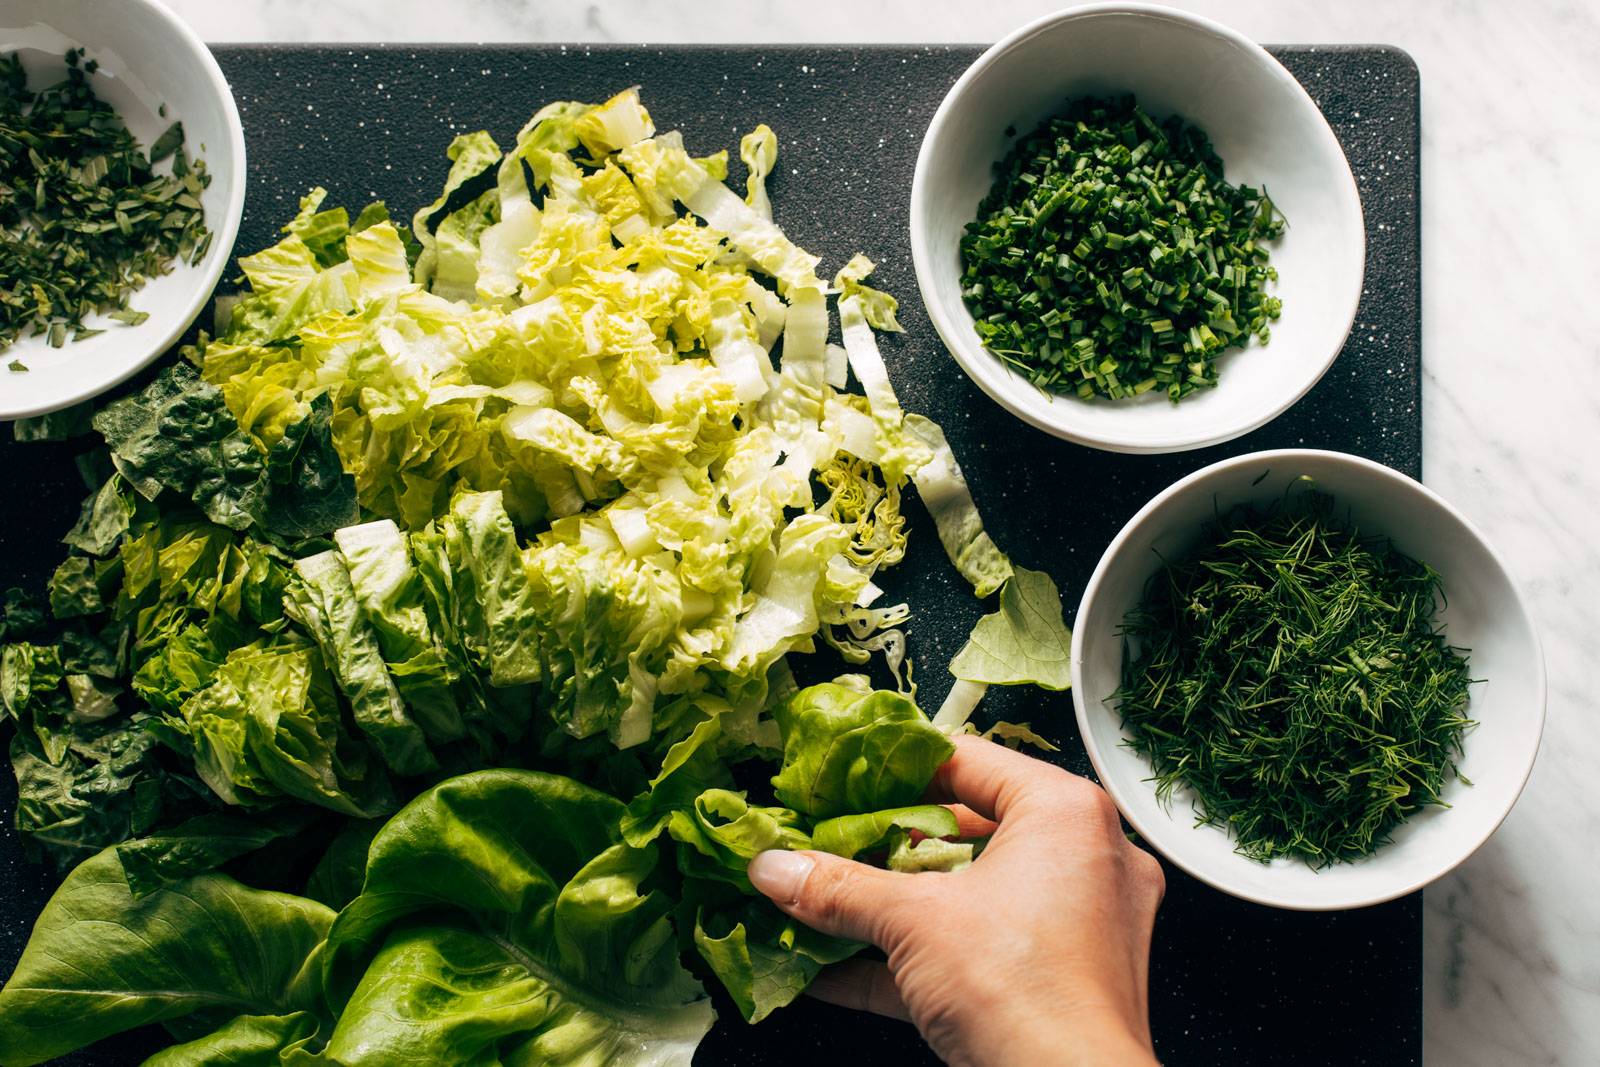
(989, 778)
(972, 824)
(864, 985)
(837, 896)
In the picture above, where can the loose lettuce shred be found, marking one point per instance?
(558, 475)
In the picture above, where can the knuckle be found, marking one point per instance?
(1147, 873)
(837, 895)
(1086, 801)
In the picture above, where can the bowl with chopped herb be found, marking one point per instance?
(122, 179)
(1134, 229)
(1307, 680)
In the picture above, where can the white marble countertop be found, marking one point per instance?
(1511, 147)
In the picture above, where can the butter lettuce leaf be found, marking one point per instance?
(846, 752)
(501, 911)
(1025, 642)
(101, 961)
(762, 957)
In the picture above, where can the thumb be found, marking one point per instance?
(836, 896)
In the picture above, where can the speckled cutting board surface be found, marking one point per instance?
(1231, 982)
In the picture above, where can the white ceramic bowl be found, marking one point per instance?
(1485, 614)
(148, 57)
(1267, 131)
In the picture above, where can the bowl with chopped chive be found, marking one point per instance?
(1134, 229)
(1307, 680)
(122, 178)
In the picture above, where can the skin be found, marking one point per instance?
(1038, 953)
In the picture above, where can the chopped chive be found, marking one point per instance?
(1123, 226)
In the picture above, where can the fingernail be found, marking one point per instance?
(780, 875)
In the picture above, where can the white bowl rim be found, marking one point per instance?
(1278, 457)
(226, 231)
(982, 367)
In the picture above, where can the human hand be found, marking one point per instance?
(1038, 953)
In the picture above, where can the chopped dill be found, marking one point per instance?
(1291, 673)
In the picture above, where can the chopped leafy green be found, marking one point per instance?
(56, 425)
(104, 519)
(85, 220)
(537, 488)
(1290, 672)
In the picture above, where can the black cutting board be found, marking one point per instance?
(1231, 982)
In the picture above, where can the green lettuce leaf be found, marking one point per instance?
(471, 155)
(104, 519)
(74, 591)
(762, 957)
(246, 1041)
(288, 290)
(55, 425)
(323, 602)
(723, 832)
(304, 489)
(104, 786)
(759, 151)
(101, 961)
(691, 767)
(929, 854)
(390, 592)
(1026, 641)
(323, 232)
(268, 727)
(501, 915)
(846, 752)
(336, 879)
(877, 306)
(484, 544)
(851, 835)
(202, 844)
(178, 434)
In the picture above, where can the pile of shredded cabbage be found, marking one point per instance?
(585, 340)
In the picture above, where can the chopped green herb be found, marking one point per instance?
(84, 220)
(1291, 673)
(1111, 257)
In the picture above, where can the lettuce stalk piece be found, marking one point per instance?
(759, 151)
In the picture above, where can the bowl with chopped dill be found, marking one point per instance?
(122, 179)
(1307, 680)
(1134, 229)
